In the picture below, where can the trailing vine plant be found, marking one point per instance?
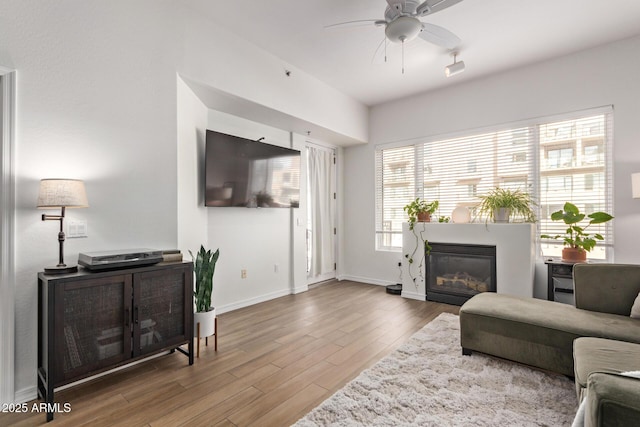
(411, 257)
(414, 210)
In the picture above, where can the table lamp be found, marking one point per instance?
(61, 193)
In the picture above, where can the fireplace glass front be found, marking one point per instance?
(456, 272)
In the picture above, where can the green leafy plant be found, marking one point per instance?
(575, 236)
(443, 219)
(204, 265)
(417, 207)
(517, 202)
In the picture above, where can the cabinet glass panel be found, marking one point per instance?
(161, 308)
(92, 324)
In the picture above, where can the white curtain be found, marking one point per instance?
(320, 184)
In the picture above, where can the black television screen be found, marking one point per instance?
(240, 172)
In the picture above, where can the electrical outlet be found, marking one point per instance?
(243, 274)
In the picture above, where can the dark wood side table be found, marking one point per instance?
(560, 281)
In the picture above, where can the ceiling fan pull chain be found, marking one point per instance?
(402, 56)
(385, 50)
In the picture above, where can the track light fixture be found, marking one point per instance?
(455, 68)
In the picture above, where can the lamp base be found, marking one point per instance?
(66, 269)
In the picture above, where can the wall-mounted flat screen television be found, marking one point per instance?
(240, 172)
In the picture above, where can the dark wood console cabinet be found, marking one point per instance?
(92, 322)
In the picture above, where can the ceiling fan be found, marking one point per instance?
(402, 23)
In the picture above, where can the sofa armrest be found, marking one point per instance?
(612, 400)
(607, 288)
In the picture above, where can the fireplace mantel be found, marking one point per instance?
(515, 253)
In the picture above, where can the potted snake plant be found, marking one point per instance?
(204, 265)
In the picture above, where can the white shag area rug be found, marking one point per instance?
(428, 382)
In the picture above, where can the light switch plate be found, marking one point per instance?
(76, 228)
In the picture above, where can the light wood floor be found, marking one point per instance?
(275, 362)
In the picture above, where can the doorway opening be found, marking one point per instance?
(321, 213)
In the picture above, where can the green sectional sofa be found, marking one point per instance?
(541, 333)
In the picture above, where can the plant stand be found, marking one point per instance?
(206, 339)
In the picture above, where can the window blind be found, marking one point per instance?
(553, 160)
(576, 166)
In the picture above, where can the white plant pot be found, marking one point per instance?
(207, 322)
(502, 215)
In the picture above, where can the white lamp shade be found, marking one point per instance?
(59, 193)
(635, 185)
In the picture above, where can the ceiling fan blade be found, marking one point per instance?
(358, 23)
(396, 4)
(439, 36)
(429, 7)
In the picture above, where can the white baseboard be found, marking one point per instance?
(26, 394)
(367, 280)
(255, 300)
(413, 295)
(300, 289)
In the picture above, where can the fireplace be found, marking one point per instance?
(456, 272)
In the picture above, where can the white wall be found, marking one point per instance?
(97, 99)
(264, 242)
(255, 75)
(192, 215)
(596, 77)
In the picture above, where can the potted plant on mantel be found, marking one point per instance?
(576, 241)
(420, 211)
(502, 203)
(204, 265)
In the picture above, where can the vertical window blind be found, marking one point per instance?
(553, 160)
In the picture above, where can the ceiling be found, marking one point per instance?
(496, 35)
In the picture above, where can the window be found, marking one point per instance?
(559, 157)
(554, 160)
(519, 157)
(395, 187)
(588, 181)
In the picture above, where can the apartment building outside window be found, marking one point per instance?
(556, 160)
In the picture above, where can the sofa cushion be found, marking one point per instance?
(607, 288)
(536, 332)
(602, 355)
(612, 400)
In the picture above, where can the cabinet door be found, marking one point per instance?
(93, 325)
(162, 309)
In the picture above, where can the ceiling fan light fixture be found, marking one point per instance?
(403, 29)
(456, 68)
